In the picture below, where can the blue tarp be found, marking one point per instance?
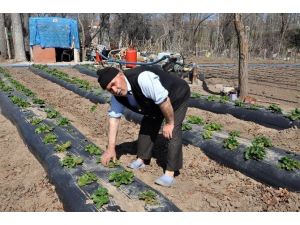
(53, 32)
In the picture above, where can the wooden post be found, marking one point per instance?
(7, 44)
(76, 56)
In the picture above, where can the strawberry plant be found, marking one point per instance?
(262, 141)
(239, 103)
(63, 121)
(63, 147)
(51, 113)
(70, 161)
(256, 152)
(231, 143)
(19, 102)
(35, 121)
(254, 107)
(294, 114)
(93, 149)
(113, 164)
(213, 126)
(195, 95)
(194, 119)
(186, 127)
(149, 197)
(207, 134)
(86, 178)
(212, 98)
(50, 139)
(100, 197)
(275, 108)
(289, 164)
(43, 128)
(234, 133)
(122, 177)
(224, 99)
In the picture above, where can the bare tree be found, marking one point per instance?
(243, 54)
(18, 38)
(3, 48)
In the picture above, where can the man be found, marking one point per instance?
(158, 96)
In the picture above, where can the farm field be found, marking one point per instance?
(203, 184)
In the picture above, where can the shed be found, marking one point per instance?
(53, 39)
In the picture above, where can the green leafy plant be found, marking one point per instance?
(254, 107)
(239, 103)
(50, 139)
(38, 101)
(43, 128)
(194, 119)
(289, 164)
(35, 121)
(100, 197)
(149, 197)
(256, 152)
(224, 99)
(93, 149)
(213, 126)
(86, 178)
(234, 133)
(122, 177)
(195, 95)
(19, 102)
(63, 121)
(212, 98)
(113, 164)
(294, 114)
(93, 108)
(231, 143)
(186, 127)
(207, 134)
(262, 141)
(275, 108)
(70, 161)
(51, 113)
(63, 147)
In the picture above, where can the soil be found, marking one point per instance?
(203, 184)
(24, 185)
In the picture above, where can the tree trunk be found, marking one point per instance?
(18, 38)
(3, 49)
(83, 52)
(243, 54)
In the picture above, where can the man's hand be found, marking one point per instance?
(107, 156)
(168, 131)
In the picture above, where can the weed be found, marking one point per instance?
(288, 163)
(70, 161)
(86, 178)
(122, 177)
(93, 108)
(149, 197)
(100, 197)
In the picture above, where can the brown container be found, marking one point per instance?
(43, 55)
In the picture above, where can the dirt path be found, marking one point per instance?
(203, 185)
(23, 182)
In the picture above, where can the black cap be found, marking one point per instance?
(106, 75)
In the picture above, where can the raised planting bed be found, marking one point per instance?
(69, 158)
(265, 170)
(87, 70)
(269, 117)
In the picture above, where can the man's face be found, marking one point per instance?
(118, 85)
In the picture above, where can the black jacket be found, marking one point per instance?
(179, 91)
